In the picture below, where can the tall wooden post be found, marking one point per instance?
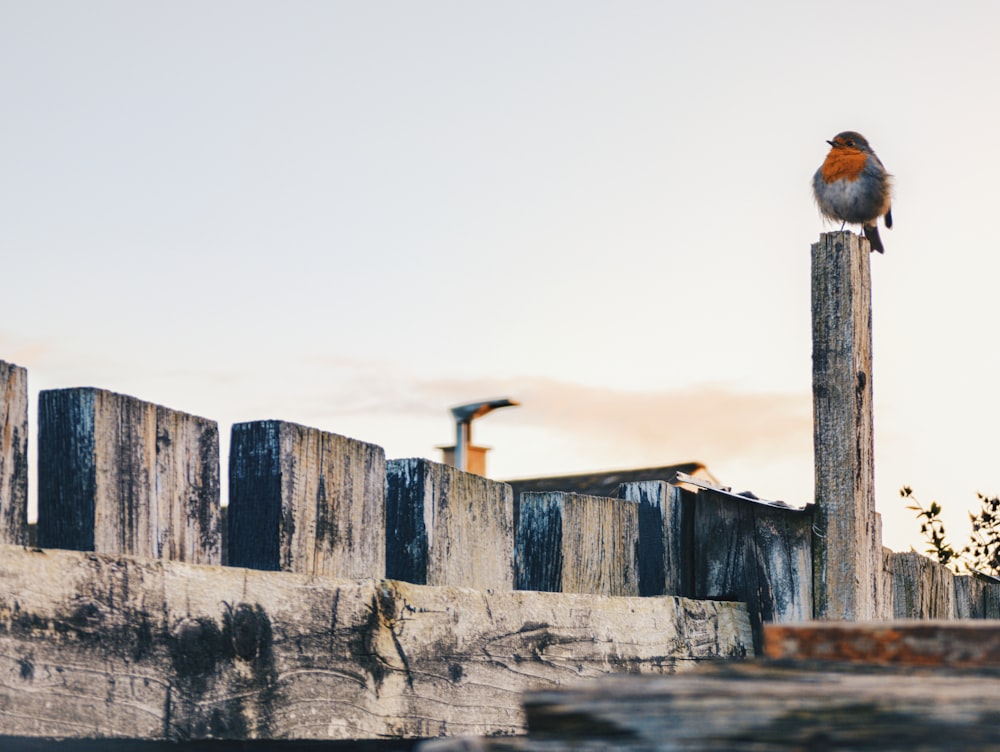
(13, 454)
(845, 565)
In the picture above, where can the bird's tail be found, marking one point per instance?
(871, 232)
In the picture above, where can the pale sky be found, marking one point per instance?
(356, 215)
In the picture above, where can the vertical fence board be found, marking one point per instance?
(885, 606)
(754, 553)
(447, 527)
(666, 529)
(304, 500)
(123, 476)
(573, 543)
(187, 488)
(67, 471)
(13, 454)
(924, 589)
(845, 549)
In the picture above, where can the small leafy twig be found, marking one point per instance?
(932, 528)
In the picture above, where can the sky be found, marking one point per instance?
(355, 215)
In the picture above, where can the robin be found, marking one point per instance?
(853, 186)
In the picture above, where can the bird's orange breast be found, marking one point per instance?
(843, 164)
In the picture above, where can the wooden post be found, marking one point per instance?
(572, 543)
(847, 557)
(13, 454)
(119, 475)
(666, 551)
(304, 500)
(447, 527)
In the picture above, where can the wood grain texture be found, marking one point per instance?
(666, 531)
(119, 475)
(13, 454)
(846, 552)
(885, 605)
(95, 646)
(761, 707)
(756, 554)
(446, 527)
(305, 500)
(923, 588)
(571, 543)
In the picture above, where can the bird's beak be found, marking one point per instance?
(831, 143)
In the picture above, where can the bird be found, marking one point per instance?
(853, 186)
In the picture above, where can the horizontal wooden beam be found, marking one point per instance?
(954, 644)
(99, 646)
(751, 706)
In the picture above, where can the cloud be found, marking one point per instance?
(695, 423)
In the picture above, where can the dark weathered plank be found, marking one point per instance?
(96, 646)
(304, 500)
(737, 706)
(754, 553)
(571, 543)
(119, 475)
(923, 588)
(955, 644)
(446, 527)
(13, 454)
(846, 553)
(666, 529)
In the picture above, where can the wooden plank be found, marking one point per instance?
(758, 554)
(955, 644)
(305, 500)
(740, 706)
(119, 475)
(923, 588)
(572, 543)
(846, 551)
(885, 596)
(13, 454)
(968, 597)
(95, 646)
(666, 529)
(447, 527)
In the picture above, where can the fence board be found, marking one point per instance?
(304, 500)
(572, 543)
(923, 588)
(754, 553)
(13, 454)
(666, 550)
(447, 527)
(119, 475)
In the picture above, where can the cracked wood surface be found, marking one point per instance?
(95, 645)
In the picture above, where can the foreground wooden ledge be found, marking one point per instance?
(761, 705)
(904, 685)
(95, 646)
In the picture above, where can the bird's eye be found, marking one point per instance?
(850, 142)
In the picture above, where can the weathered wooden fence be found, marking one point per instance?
(374, 599)
(364, 598)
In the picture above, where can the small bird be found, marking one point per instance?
(853, 186)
